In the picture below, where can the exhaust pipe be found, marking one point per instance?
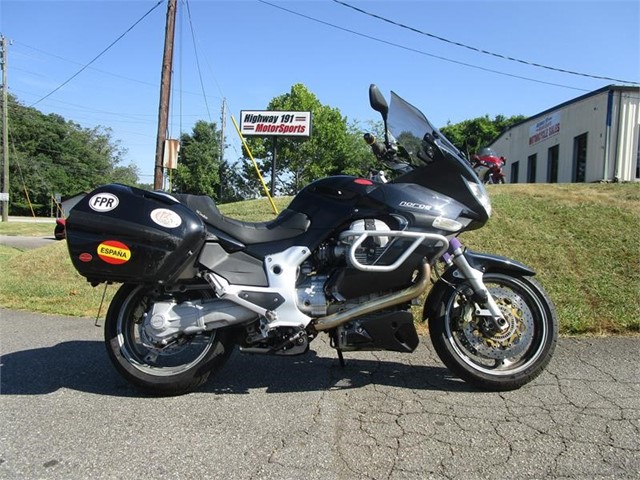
(336, 319)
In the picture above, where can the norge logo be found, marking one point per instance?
(103, 202)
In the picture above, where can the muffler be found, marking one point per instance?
(336, 319)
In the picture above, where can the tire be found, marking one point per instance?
(496, 362)
(173, 370)
(59, 232)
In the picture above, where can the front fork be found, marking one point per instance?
(485, 305)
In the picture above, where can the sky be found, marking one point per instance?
(249, 51)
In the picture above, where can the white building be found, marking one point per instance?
(591, 138)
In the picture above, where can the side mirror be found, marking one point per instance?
(378, 102)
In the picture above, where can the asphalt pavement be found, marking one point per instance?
(66, 413)
(26, 243)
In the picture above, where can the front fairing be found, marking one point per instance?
(429, 159)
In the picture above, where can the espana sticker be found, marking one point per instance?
(114, 252)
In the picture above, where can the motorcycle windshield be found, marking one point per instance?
(408, 126)
(487, 152)
(432, 160)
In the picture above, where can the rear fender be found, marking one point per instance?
(485, 262)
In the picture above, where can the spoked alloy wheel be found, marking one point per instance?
(503, 360)
(178, 367)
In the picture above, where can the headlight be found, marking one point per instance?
(481, 195)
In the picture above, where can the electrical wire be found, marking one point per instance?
(479, 50)
(99, 55)
(420, 52)
(195, 51)
(102, 72)
(215, 80)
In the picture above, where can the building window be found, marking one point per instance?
(552, 164)
(531, 168)
(580, 158)
(514, 172)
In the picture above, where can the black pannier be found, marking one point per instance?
(119, 233)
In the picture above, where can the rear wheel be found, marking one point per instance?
(490, 360)
(182, 365)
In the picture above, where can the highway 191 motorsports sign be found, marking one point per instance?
(268, 123)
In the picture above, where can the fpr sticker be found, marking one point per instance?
(103, 202)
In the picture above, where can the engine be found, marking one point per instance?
(369, 251)
(321, 278)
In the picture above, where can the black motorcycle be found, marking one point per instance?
(347, 257)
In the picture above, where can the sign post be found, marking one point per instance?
(270, 123)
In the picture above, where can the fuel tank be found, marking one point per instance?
(333, 201)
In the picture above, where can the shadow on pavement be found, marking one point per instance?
(84, 366)
(78, 365)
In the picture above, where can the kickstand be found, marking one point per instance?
(334, 342)
(341, 358)
(104, 293)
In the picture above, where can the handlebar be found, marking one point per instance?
(379, 149)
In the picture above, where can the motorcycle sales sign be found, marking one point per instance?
(267, 123)
(545, 128)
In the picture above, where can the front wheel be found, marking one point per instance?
(489, 360)
(58, 232)
(178, 367)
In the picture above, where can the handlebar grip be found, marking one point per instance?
(378, 148)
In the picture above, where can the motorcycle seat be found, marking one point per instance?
(287, 224)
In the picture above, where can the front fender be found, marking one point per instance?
(485, 262)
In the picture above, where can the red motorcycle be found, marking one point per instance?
(488, 166)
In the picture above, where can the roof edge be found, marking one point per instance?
(612, 87)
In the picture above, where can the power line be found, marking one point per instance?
(420, 52)
(155, 85)
(104, 72)
(479, 50)
(99, 55)
(195, 50)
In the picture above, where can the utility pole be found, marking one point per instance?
(5, 133)
(165, 90)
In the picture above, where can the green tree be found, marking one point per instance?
(360, 161)
(471, 135)
(237, 182)
(329, 150)
(49, 155)
(199, 163)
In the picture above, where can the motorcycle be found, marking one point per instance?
(488, 166)
(348, 257)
